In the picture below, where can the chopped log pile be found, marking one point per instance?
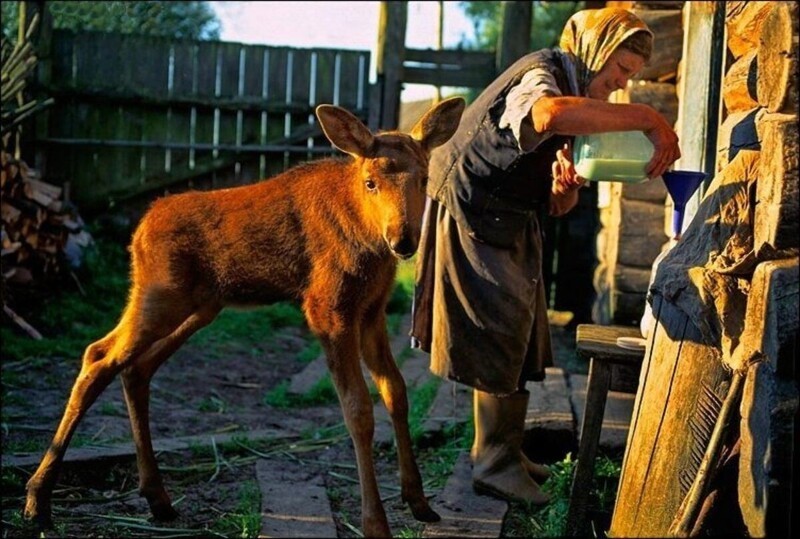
(42, 235)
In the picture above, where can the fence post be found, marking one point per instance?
(42, 41)
(515, 36)
(389, 63)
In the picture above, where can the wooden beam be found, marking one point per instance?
(515, 36)
(42, 40)
(389, 61)
(694, 86)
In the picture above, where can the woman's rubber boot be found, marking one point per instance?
(539, 472)
(497, 467)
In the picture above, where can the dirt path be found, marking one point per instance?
(208, 391)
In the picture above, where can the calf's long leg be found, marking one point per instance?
(342, 356)
(136, 386)
(377, 356)
(102, 360)
(340, 339)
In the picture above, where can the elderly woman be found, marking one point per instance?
(479, 305)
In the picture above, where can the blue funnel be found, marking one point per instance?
(681, 185)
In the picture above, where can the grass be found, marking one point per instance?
(550, 520)
(245, 520)
(69, 320)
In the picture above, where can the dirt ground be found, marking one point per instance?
(201, 390)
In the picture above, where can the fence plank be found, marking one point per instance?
(136, 114)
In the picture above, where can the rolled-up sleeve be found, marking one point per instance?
(535, 84)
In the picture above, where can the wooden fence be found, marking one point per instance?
(138, 114)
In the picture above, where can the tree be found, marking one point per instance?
(548, 21)
(191, 20)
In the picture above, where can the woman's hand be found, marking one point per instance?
(565, 179)
(665, 144)
(566, 183)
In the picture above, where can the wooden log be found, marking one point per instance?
(777, 59)
(768, 418)
(637, 217)
(640, 250)
(743, 21)
(631, 279)
(601, 308)
(659, 95)
(738, 132)
(667, 45)
(390, 57)
(648, 191)
(514, 38)
(739, 85)
(776, 214)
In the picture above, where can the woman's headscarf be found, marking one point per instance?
(591, 35)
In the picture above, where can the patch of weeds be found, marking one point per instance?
(213, 403)
(70, 320)
(550, 520)
(408, 533)
(109, 408)
(437, 462)
(250, 326)
(200, 450)
(24, 445)
(245, 520)
(325, 432)
(420, 400)
(13, 480)
(311, 352)
(321, 393)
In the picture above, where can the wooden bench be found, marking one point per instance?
(598, 344)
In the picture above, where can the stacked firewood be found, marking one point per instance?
(42, 235)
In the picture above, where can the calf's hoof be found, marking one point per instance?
(163, 512)
(38, 514)
(424, 513)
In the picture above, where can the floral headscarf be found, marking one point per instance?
(591, 35)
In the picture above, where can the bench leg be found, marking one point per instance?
(596, 393)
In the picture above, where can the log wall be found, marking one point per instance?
(758, 112)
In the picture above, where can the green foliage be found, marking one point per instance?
(249, 326)
(550, 520)
(245, 520)
(70, 320)
(191, 20)
(420, 400)
(322, 393)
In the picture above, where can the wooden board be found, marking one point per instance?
(682, 387)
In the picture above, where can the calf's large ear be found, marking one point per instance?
(439, 123)
(345, 130)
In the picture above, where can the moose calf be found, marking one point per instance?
(326, 234)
